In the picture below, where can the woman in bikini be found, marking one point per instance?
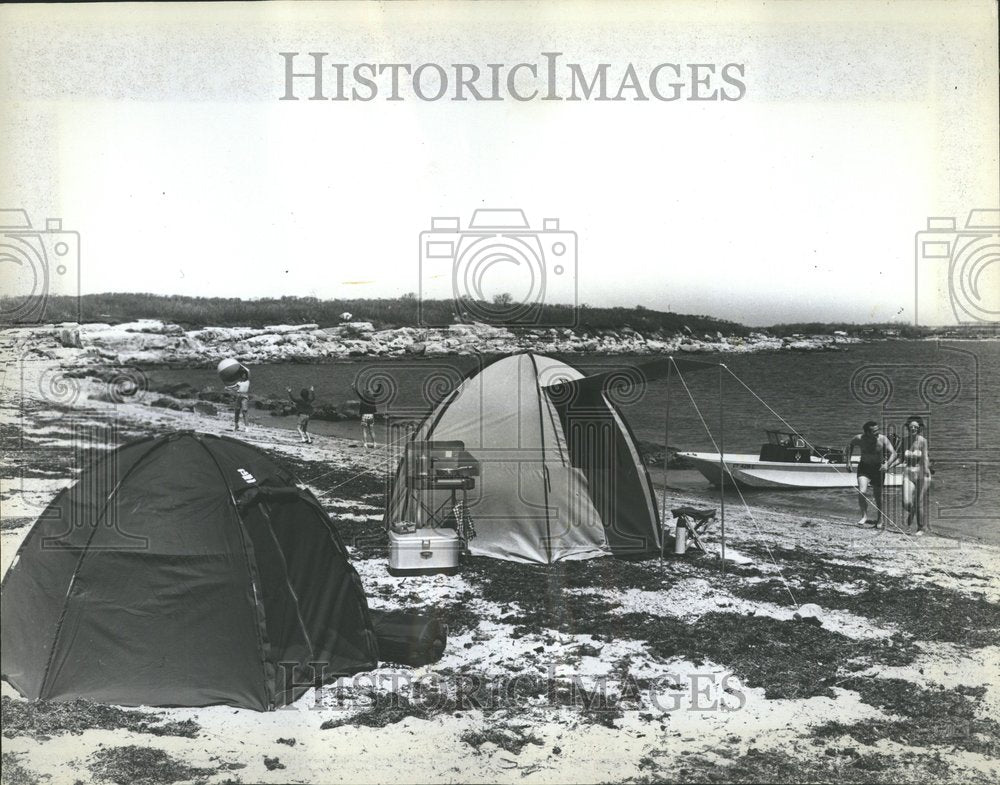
(916, 475)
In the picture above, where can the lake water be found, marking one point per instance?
(954, 386)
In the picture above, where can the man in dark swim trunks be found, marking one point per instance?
(874, 448)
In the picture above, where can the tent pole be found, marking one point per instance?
(666, 459)
(722, 471)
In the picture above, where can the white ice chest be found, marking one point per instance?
(423, 552)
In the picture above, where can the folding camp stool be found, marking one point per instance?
(696, 521)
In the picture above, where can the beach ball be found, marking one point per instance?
(230, 371)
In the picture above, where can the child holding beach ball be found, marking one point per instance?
(236, 378)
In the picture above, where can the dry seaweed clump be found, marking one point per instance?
(11, 524)
(42, 719)
(929, 717)
(13, 773)
(787, 659)
(386, 709)
(134, 765)
(926, 611)
(842, 767)
(512, 740)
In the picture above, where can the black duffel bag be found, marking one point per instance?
(409, 637)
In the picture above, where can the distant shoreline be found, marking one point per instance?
(412, 312)
(154, 344)
(151, 343)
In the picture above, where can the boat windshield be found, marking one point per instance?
(785, 438)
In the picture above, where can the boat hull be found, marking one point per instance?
(751, 472)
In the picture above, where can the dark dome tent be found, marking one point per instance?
(183, 570)
(561, 477)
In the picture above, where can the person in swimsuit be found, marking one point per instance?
(872, 466)
(304, 408)
(366, 410)
(241, 390)
(916, 476)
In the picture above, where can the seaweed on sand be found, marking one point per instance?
(386, 709)
(531, 584)
(926, 611)
(451, 692)
(843, 767)
(460, 616)
(134, 765)
(354, 480)
(512, 740)
(13, 773)
(41, 719)
(535, 597)
(273, 763)
(11, 524)
(474, 691)
(787, 659)
(931, 717)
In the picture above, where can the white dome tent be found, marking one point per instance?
(561, 477)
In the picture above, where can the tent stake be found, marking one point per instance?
(722, 471)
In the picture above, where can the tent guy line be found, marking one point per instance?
(368, 470)
(746, 506)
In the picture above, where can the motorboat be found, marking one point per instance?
(785, 460)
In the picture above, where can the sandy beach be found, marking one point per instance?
(604, 670)
(715, 241)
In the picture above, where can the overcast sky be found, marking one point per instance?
(157, 133)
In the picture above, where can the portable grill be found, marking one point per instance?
(439, 466)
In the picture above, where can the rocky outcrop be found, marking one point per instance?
(152, 342)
